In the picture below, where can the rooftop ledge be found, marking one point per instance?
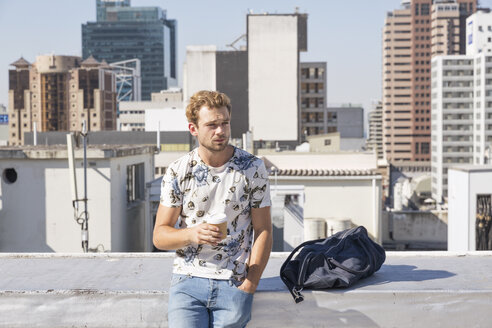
(412, 289)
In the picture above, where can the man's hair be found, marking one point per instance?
(211, 99)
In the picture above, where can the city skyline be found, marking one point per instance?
(337, 34)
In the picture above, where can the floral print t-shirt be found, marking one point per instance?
(202, 191)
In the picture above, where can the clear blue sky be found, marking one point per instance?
(346, 34)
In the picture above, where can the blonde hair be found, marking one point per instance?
(211, 99)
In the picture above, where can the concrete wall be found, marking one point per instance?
(415, 230)
(23, 218)
(293, 231)
(131, 224)
(273, 69)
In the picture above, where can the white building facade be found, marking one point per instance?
(36, 212)
(479, 33)
(462, 104)
(451, 116)
(274, 43)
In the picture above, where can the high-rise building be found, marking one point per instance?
(274, 43)
(462, 105)
(122, 33)
(412, 34)
(313, 99)
(58, 93)
(375, 139)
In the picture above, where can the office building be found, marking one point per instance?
(274, 43)
(411, 35)
(58, 93)
(375, 139)
(313, 99)
(123, 33)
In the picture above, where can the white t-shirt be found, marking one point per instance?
(202, 191)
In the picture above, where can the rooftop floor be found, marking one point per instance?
(412, 289)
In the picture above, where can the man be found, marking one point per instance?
(214, 276)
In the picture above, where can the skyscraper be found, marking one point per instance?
(122, 32)
(411, 35)
(58, 93)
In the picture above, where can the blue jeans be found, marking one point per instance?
(202, 302)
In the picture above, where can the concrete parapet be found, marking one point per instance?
(414, 289)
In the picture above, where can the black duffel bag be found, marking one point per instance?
(336, 261)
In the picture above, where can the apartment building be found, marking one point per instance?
(462, 105)
(314, 115)
(411, 35)
(58, 93)
(461, 115)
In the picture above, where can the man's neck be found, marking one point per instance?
(215, 159)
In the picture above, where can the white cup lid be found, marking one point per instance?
(217, 218)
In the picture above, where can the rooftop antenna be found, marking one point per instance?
(81, 218)
(231, 45)
(85, 221)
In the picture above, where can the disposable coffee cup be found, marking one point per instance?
(220, 221)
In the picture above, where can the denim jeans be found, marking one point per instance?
(202, 302)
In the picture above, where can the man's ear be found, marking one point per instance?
(193, 129)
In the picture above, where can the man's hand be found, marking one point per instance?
(205, 234)
(248, 286)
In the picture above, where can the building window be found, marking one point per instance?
(327, 142)
(135, 182)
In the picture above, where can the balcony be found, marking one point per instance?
(412, 289)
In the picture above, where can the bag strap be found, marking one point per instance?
(306, 243)
(341, 266)
(296, 290)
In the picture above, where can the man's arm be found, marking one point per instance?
(166, 237)
(262, 246)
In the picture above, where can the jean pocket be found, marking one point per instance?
(241, 291)
(178, 278)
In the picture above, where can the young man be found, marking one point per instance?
(214, 275)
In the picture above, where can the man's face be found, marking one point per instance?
(213, 129)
